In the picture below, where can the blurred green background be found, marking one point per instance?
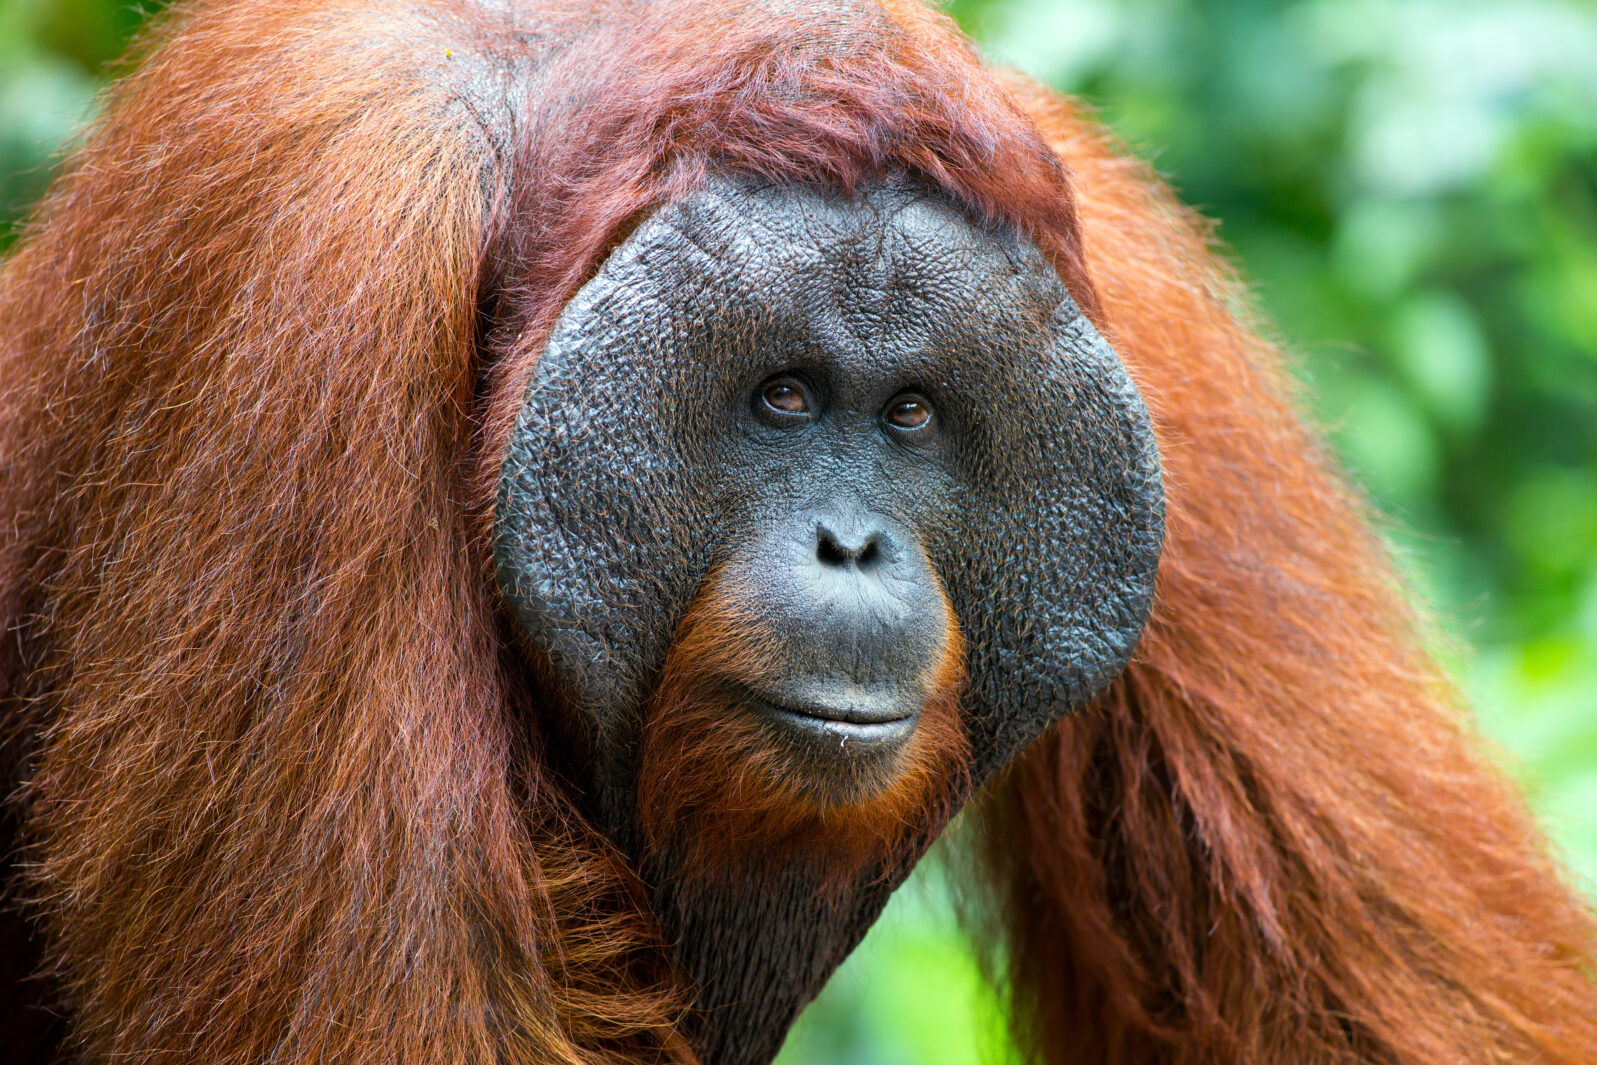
(1411, 186)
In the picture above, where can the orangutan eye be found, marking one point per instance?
(784, 401)
(909, 413)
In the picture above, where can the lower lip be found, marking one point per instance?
(839, 731)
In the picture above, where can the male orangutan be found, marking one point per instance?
(520, 523)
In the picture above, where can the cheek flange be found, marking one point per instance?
(1069, 513)
(600, 537)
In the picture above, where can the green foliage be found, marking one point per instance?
(53, 56)
(1411, 185)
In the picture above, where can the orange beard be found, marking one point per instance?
(722, 791)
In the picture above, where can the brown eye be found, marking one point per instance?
(909, 412)
(786, 396)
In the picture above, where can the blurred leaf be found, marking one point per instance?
(42, 102)
(1385, 438)
(1381, 245)
(1440, 349)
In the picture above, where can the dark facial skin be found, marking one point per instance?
(875, 422)
(846, 456)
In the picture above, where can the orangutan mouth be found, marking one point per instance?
(874, 724)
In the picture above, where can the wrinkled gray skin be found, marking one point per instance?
(643, 457)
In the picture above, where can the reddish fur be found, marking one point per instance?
(280, 807)
(285, 800)
(714, 790)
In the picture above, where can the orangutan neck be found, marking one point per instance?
(759, 949)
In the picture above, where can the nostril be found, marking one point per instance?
(870, 552)
(832, 550)
(828, 550)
